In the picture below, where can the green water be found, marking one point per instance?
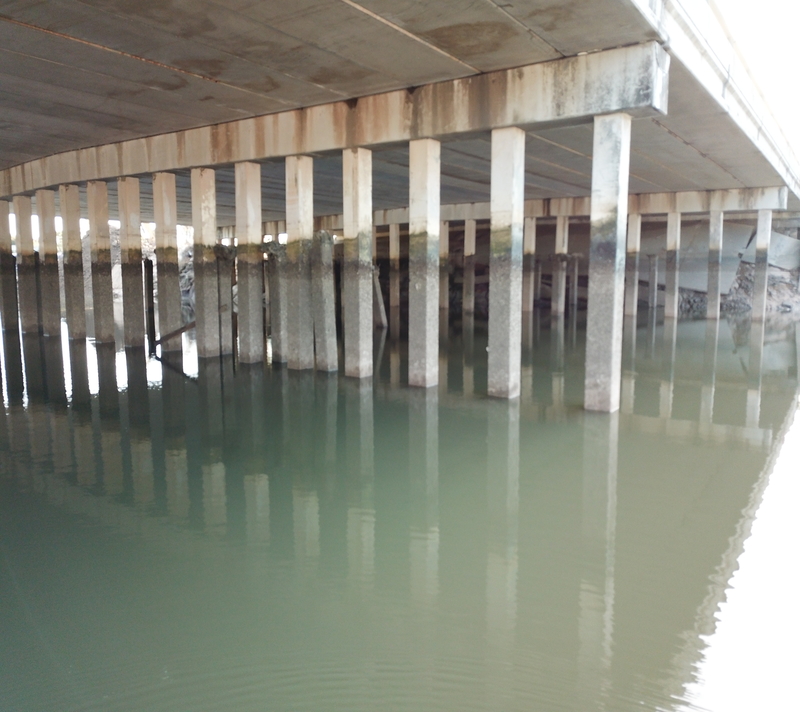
(261, 539)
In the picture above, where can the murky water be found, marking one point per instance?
(259, 539)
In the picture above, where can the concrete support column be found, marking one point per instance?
(206, 279)
(672, 295)
(48, 263)
(357, 288)
(652, 285)
(248, 262)
(559, 290)
(424, 170)
(130, 237)
(300, 232)
(632, 264)
(75, 300)
(323, 298)
(26, 267)
(763, 234)
(609, 214)
(165, 210)
(8, 273)
(528, 264)
(468, 297)
(715, 224)
(276, 275)
(444, 264)
(394, 266)
(505, 261)
(574, 279)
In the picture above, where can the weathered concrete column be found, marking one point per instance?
(248, 262)
(276, 274)
(26, 267)
(632, 264)
(672, 293)
(394, 266)
(468, 296)
(558, 293)
(75, 300)
(206, 279)
(48, 263)
(652, 284)
(300, 231)
(505, 261)
(357, 288)
(423, 262)
(574, 279)
(130, 242)
(763, 234)
(444, 268)
(609, 214)
(165, 210)
(528, 264)
(8, 273)
(715, 225)
(323, 301)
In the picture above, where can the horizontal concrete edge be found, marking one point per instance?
(632, 79)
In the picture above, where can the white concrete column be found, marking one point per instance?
(300, 231)
(505, 261)
(672, 293)
(74, 297)
(165, 210)
(8, 273)
(559, 289)
(468, 297)
(48, 263)
(528, 264)
(424, 171)
(609, 214)
(632, 265)
(716, 221)
(357, 287)
(26, 267)
(130, 237)
(249, 262)
(763, 234)
(206, 280)
(323, 302)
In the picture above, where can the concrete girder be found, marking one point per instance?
(633, 79)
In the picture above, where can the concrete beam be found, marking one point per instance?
(704, 201)
(563, 91)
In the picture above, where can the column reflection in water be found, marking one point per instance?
(599, 521)
(628, 364)
(140, 444)
(754, 367)
(667, 386)
(709, 375)
(36, 417)
(361, 470)
(109, 431)
(557, 328)
(249, 450)
(502, 566)
(423, 449)
(59, 414)
(176, 466)
(81, 414)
